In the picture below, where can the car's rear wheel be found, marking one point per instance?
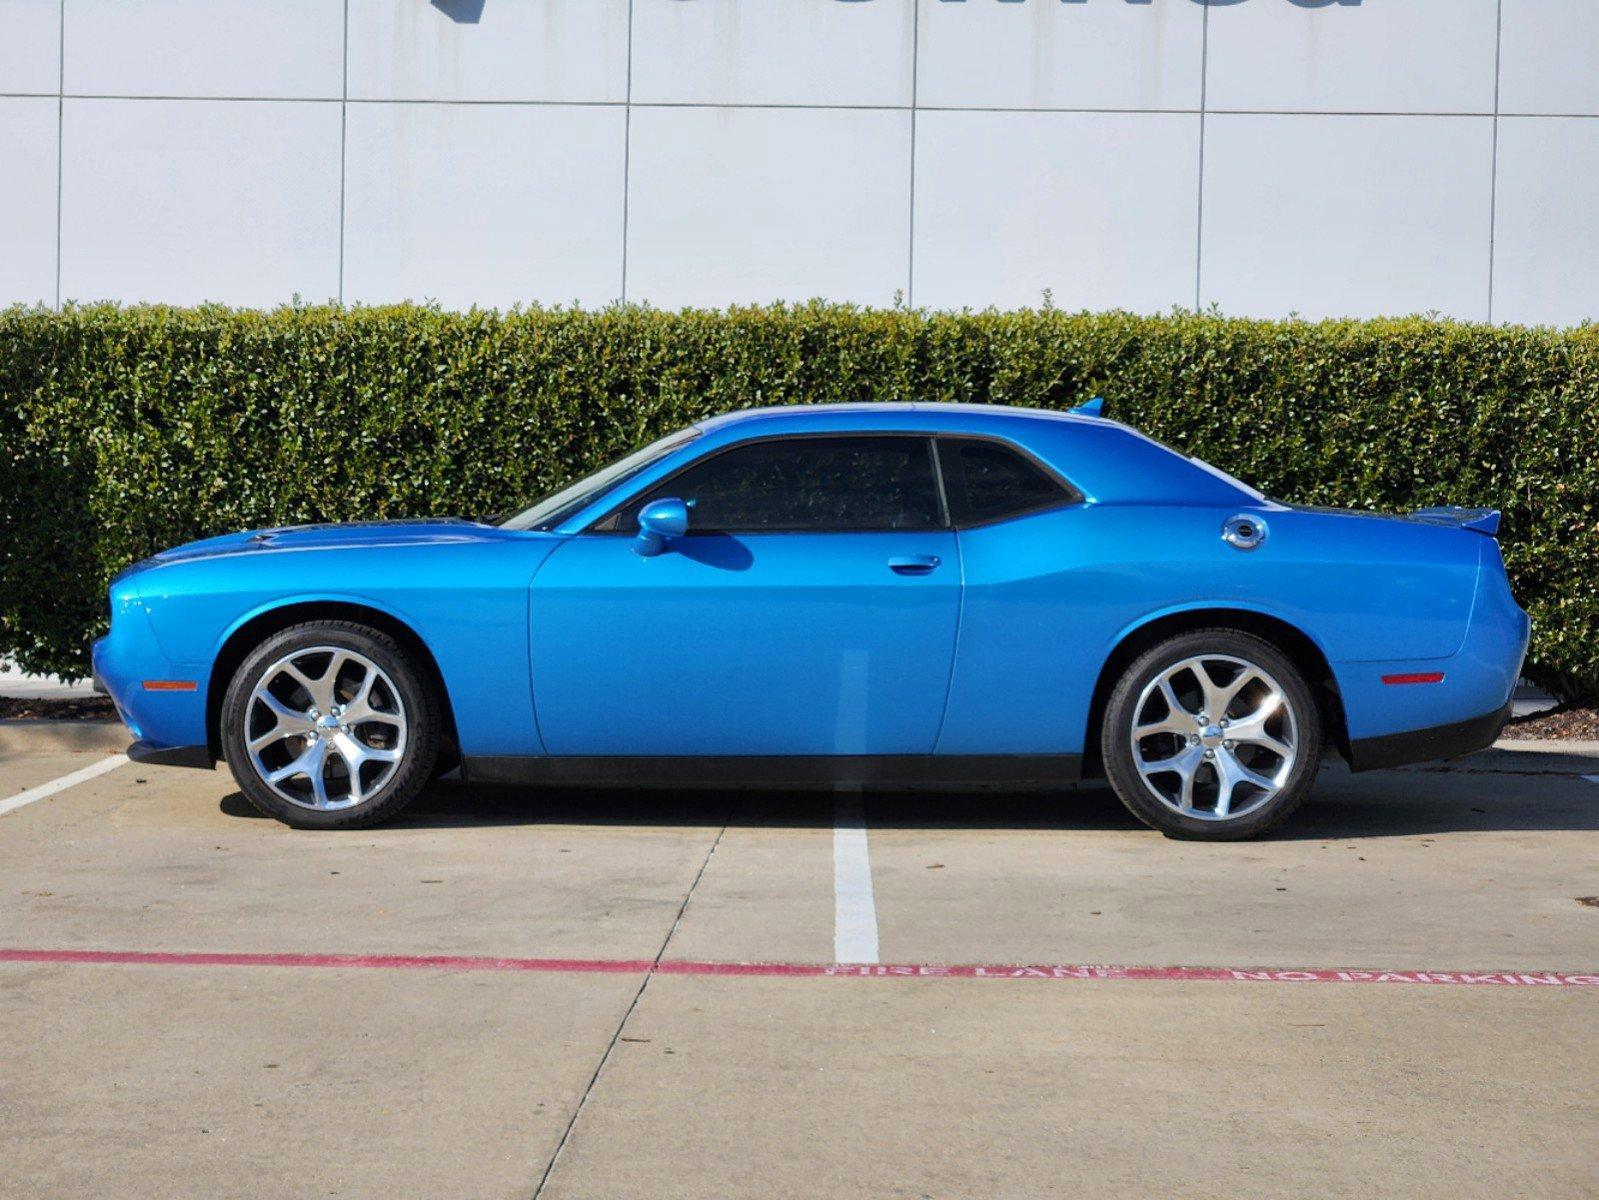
(1212, 734)
(330, 725)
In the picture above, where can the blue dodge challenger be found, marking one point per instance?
(882, 595)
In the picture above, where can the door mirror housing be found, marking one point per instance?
(658, 522)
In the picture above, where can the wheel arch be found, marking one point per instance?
(256, 628)
(1301, 649)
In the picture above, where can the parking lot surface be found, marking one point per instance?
(587, 994)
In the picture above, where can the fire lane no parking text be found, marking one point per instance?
(1057, 971)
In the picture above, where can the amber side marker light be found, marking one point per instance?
(170, 685)
(1421, 677)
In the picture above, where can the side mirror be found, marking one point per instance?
(658, 522)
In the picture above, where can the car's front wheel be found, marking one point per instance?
(330, 725)
(1212, 734)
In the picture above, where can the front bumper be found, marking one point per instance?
(1428, 745)
(168, 726)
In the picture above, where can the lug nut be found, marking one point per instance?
(1228, 744)
(1210, 754)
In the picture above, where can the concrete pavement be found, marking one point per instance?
(170, 1077)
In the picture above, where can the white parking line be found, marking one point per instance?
(60, 785)
(854, 908)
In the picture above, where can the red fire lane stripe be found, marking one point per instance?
(613, 966)
(391, 962)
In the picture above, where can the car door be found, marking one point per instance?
(1026, 663)
(809, 610)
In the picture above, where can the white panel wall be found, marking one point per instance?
(500, 50)
(817, 52)
(1547, 243)
(192, 200)
(30, 47)
(277, 48)
(1549, 57)
(484, 204)
(1335, 216)
(1392, 56)
(1268, 156)
(976, 53)
(28, 201)
(744, 205)
(1097, 208)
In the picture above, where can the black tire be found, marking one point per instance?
(413, 698)
(1155, 800)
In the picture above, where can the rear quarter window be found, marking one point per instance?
(989, 481)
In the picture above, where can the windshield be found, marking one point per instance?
(550, 510)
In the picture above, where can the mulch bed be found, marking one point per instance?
(88, 708)
(1573, 722)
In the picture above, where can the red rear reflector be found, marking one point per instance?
(1421, 677)
(170, 685)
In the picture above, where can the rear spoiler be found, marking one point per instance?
(1482, 520)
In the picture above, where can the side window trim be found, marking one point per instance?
(610, 521)
(952, 478)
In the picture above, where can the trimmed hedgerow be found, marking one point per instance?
(125, 430)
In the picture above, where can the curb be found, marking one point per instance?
(30, 736)
(1546, 746)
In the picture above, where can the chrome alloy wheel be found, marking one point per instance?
(325, 727)
(1214, 737)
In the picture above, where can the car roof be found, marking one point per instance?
(1104, 459)
(888, 414)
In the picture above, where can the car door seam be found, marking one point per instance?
(955, 647)
(527, 625)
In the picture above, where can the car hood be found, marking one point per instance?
(332, 536)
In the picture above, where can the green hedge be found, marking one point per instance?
(126, 430)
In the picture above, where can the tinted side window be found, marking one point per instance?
(793, 484)
(988, 482)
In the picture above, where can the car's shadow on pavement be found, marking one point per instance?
(1342, 806)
